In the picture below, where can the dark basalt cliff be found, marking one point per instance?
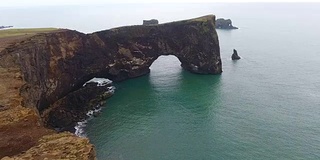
(55, 65)
(67, 111)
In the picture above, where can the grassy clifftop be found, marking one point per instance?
(10, 36)
(21, 32)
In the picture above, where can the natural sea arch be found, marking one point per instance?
(56, 64)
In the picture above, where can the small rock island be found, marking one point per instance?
(224, 24)
(235, 55)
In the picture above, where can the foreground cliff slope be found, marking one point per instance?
(22, 128)
(59, 146)
(49, 67)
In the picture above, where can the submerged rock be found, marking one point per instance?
(235, 55)
(224, 24)
(150, 22)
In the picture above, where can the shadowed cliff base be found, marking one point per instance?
(52, 66)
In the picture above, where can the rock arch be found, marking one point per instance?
(55, 64)
(194, 42)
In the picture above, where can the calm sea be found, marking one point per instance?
(264, 106)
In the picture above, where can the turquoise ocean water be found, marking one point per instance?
(264, 106)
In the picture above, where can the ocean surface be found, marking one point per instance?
(264, 106)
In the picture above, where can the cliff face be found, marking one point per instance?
(53, 66)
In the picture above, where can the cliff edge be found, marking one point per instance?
(49, 67)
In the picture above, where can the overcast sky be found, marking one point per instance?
(13, 3)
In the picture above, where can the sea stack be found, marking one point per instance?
(235, 55)
(224, 24)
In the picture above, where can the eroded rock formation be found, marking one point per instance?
(224, 24)
(52, 67)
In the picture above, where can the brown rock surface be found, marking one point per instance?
(20, 129)
(59, 146)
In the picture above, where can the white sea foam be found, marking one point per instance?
(111, 89)
(99, 81)
(80, 127)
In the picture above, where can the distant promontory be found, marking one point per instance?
(3, 27)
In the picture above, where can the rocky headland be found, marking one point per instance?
(224, 24)
(42, 79)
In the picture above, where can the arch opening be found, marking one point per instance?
(165, 65)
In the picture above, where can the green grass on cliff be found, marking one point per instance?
(20, 32)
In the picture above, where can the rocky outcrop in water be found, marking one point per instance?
(224, 24)
(235, 55)
(150, 22)
(50, 69)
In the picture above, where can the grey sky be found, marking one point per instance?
(15, 3)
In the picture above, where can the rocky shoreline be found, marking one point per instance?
(42, 79)
(65, 113)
